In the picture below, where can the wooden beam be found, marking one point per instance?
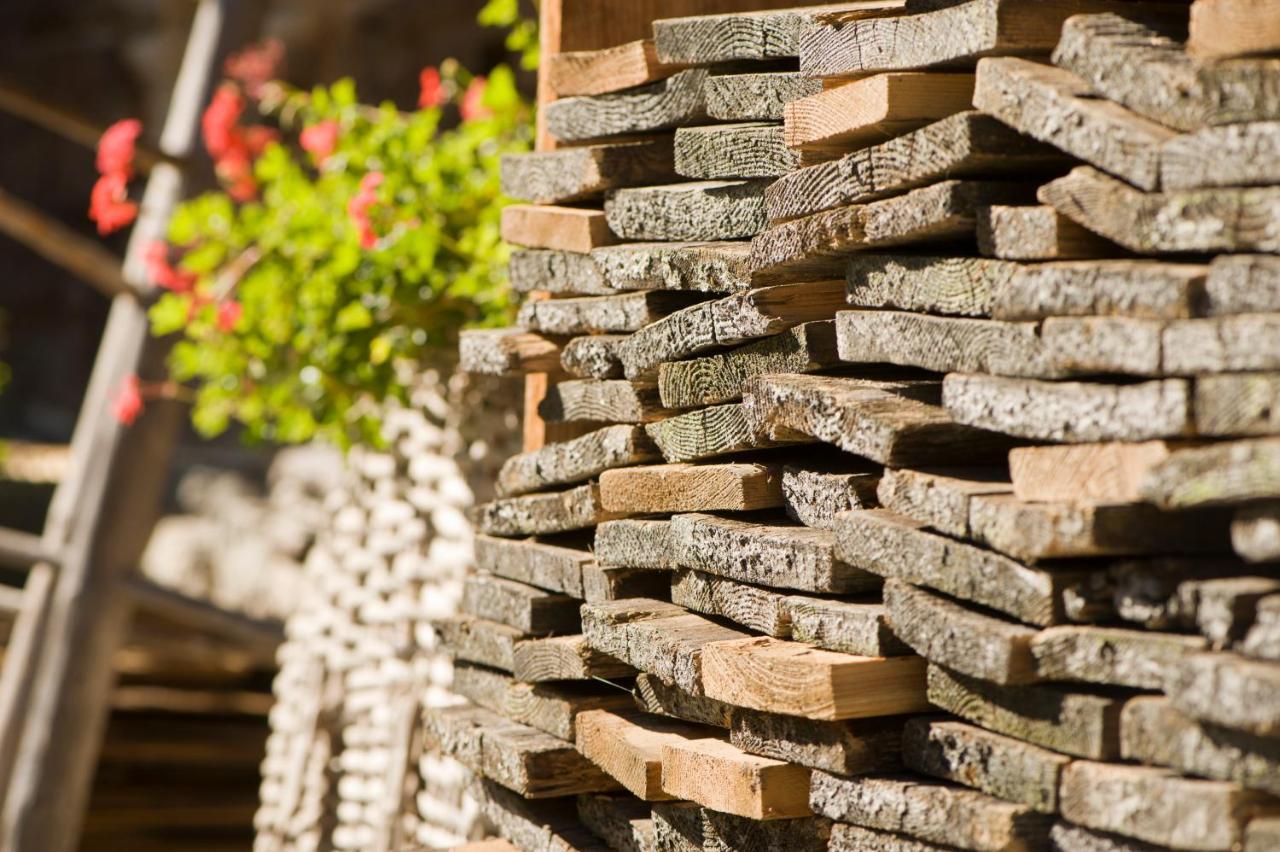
(698, 211)
(1221, 29)
(83, 257)
(727, 487)
(610, 69)
(575, 174)
(677, 101)
(719, 776)
(629, 747)
(574, 229)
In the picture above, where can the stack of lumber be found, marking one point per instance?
(910, 378)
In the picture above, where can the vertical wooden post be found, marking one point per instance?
(21, 657)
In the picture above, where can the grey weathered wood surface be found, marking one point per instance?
(506, 352)
(721, 377)
(1148, 289)
(1263, 639)
(815, 493)
(756, 96)
(849, 627)
(940, 498)
(683, 827)
(1237, 404)
(636, 543)
(1069, 411)
(709, 432)
(540, 514)
(965, 145)
(719, 486)
(619, 313)
(475, 640)
(715, 267)
(1142, 65)
(552, 708)
(620, 821)
(676, 101)
(1111, 656)
(893, 546)
(702, 210)
(1037, 233)
(1001, 766)
(558, 272)
(654, 695)
(1234, 155)
(576, 460)
(737, 36)
(855, 838)
(613, 582)
(1055, 106)
(1079, 723)
(527, 608)
(572, 174)
(551, 824)
(752, 150)
(765, 554)
(935, 812)
(562, 658)
(755, 608)
(964, 286)
(547, 566)
(845, 748)
(943, 211)
(962, 639)
(1204, 220)
(1228, 690)
(891, 421)
(602, 401)
(1217, 474)
(594, 356)
(1074, 838)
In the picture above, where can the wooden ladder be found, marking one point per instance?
(72, 614)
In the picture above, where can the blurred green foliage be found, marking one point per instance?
(522, 35)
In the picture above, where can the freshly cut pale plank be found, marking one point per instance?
(940, 498)
(943, 211)
(594, 356)
(753, 607)
(563, 658)
(1079, 723)
(542, 514)
(1074, 412)
(1037, 233)
(577, 460)
(963, 286)
(797, 680)
(720, 378)
(1145, 68)
(1055, 106)
(702, 210)
(955, 34)
(628, 747)
(572, 174)
(526, 608)
(475, 640)
(710, 432)
(865, 111)
(1234, 155)
(636, 543)
(755, 150)
(934, 812)
(894, 422)
(507, 352)
(1153, 731)
(893, 546)
(845, 626)
(1129, 288)
(758, 96)
(716, 775)
(738, 36)
(686, 827)
(962, 639)
(675, 101)
(714, 267)
(548, 566)
(965, 145)
(1111, 656)
(556, 272)
(602, 401)
(1228, 690)
(599, 72)
(654, 695)
(1218, 474)
(618, 313)
(849, 747)
(763, 554)
(1221, 29)
(815, 493)
(1182, 813)
(1001, 766)
(576, 229)
(730, 487)
(1087, 473)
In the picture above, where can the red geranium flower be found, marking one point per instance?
(359, 205)
(156, 258)
(218, 124)
(118, 146)
(109, 203)
(320, 140)
(431, 92)
(127, 405)
(229, 313)
(254, 66)
(473, 107)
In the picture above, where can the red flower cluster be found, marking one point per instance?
(320, 140)
(127, 405)
(256, 65)
(359, 205)
(233, 147)
(472, 107)
(229, 313)
(431, 90)
(156, 258)
(109, 204)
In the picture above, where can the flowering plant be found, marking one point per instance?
(348, 242)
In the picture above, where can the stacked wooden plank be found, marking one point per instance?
(913, 450)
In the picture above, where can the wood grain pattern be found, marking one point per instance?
(730, 487)
(573, 174)
(575, 229)
(610, 69)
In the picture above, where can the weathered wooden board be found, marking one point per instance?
(623, 312)
(543, 514)
(573, 174)
(765, 554)
(622, 822)
(1220, 344)
(594, 356)
(788, 677)
(965, 286)
(1073, 412)
(602, 401)
(685, 827)
(717, 775)
(1130, 288)
(1263, 639)
(1228, 690)
(1075, 722)
(758, 96)
(628, 747)
(752, 150)
(741, 36)
(855, 838)
(576, 229)
(846, 748)
(1055, 106)
(849, 627)
(1217, 474)
(533, 824)
(475, 640)
(755, 608)
(721, 377)
(869, 110)
(553, 708)
(576, 460)
(1066, 837)
(1037, 233)
(1111, 656)
(610, 69)
(934, 812)
(715, 267)
(563, 658)
(1221, 29)
(1001, 766)
(612, 582)
(702, 210)
(1237, 404)
(1142, 65)
(672, 102)
(636, 543)
(506, 352)
(554, 567)
(708, 433)
(940, 498)
(654, 695)
(965, 145)
(555, 272)
(725, 486)
(525, 760)
(891, 545)
(526, 608)
(893, 422)
(1233, 155)
(814, 493)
